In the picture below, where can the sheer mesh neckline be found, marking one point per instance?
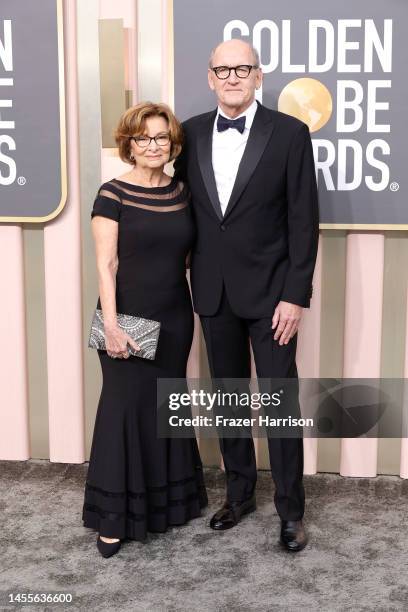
(140, 188)
(171, 197)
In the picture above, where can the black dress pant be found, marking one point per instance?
(227, 340)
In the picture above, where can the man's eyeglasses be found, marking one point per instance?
(144, 141)
(242, 71)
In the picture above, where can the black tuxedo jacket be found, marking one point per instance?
(264, 247)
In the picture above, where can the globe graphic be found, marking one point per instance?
(308, 100)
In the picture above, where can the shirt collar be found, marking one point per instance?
(249, 114)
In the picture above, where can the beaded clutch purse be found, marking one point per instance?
(143, 331)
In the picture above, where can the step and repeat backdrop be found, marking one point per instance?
(32, 111)
(69, 68)
(339, 68)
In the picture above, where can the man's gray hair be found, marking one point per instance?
(256, 60)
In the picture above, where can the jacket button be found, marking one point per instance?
(222, 228)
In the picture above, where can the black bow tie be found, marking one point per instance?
(223, 123)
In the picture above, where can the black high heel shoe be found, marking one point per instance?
(107, 549)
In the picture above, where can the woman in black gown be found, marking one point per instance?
(143, 230)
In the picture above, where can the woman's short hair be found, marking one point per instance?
(133, 123)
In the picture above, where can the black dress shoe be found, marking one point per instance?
(293, 536)
(231, 512)
(107, 549)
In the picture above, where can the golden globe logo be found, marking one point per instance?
(345, 46)
(308, 100)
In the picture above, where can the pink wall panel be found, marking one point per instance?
(308, 353)
(362, 336)
(119, 9)
(62, 252)
(404, 441)
(14, 420)
(166, 45)
(111, 165)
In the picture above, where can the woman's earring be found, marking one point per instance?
(132, 156)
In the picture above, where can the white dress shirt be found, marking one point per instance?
(227, 150)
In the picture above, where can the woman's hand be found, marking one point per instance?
(116, 341)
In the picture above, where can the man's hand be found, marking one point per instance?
(287, 317)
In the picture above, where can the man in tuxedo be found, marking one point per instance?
(251, 173)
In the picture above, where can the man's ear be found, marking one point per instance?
(210, 79)
(259, 78)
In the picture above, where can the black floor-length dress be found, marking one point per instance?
(136, 481)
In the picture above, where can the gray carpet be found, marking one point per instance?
(357, 557)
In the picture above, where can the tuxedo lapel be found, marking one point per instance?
(204, 153)
(260, 133)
